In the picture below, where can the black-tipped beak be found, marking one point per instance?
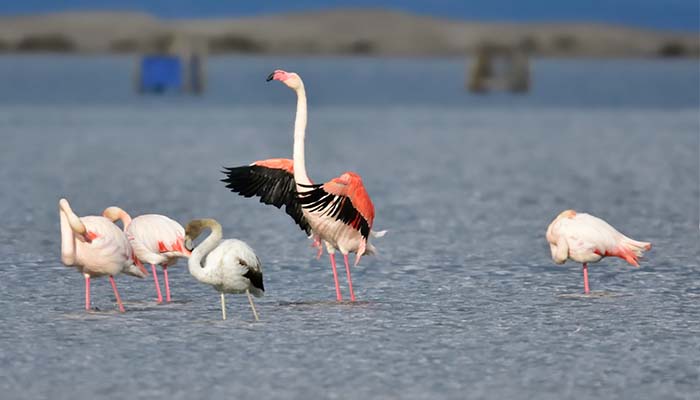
(269, 77)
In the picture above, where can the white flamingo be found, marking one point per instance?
(156, 240)
(338, 213)
(231, 266)
(96, 247)
(588, 239)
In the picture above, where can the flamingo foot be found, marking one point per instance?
(586, 289)
(155, 279)
(87, 292)
(347, 270)
(116, 294)
(167, 284)
(338, 295)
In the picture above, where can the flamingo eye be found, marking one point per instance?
(243, 263)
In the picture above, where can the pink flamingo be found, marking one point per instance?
(156, 239)
(588, 239)
(338, 213)
(96, 247)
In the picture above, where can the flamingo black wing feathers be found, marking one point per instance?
(338, 206)
(273, 186)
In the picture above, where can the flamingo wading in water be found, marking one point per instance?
(155, 239)
(338, 213)
(231, 266)
(587, 239)
(97, 247)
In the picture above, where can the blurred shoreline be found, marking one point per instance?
(366, 32)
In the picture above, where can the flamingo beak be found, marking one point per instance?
(270, 77)
(188, 244)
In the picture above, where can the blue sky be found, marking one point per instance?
(664, 14)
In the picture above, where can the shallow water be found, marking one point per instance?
(462, 301)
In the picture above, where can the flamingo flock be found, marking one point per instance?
(338, 215)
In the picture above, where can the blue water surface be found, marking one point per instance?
(462, 300)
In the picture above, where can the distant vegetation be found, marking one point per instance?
(564, 43)
(365, 32)
(46, 42)
(361, 46)
(124, 46)
(234, 44)
(672, 49)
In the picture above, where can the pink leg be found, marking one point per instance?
(116, 294)
(347, 269)
(155, 279)
(167, 285)
(338, 296)
(87, 292)
(585, 279)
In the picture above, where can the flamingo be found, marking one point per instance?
(338, 213)
(156, 239)
(587, 239)
(96, 247)
(231, 266)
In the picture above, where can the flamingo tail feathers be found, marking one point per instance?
(632, 250)
(377, 234)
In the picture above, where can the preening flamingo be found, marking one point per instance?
(156, 239)
(588, 239)
(96, 247)
(338, 213)
(231, 266)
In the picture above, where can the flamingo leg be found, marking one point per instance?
(155, 279)
(167, 284)
(347, 270)
(252, 305)
(87, 292)
(338, 296)
(586, 290)
(223, 306)
(116, 294)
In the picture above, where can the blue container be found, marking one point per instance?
(160, 73)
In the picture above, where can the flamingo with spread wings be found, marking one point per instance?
(338, 213)
(587, 239)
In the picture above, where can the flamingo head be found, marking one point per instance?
(290, 79)
(553, 226)
(194, 229)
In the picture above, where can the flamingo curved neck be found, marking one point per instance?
(299, 137)
(125, 218)
(194, 263)
(73, 220)
(67, 240)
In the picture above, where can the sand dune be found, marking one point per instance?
(357, 31)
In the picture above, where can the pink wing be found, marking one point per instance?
(153, 235)
(343, 198)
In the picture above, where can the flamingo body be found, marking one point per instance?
(585, 238)
(155, 239)
(96, 247)
(233, 267)
(107, 253)
(340, 212)
(230, 266)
